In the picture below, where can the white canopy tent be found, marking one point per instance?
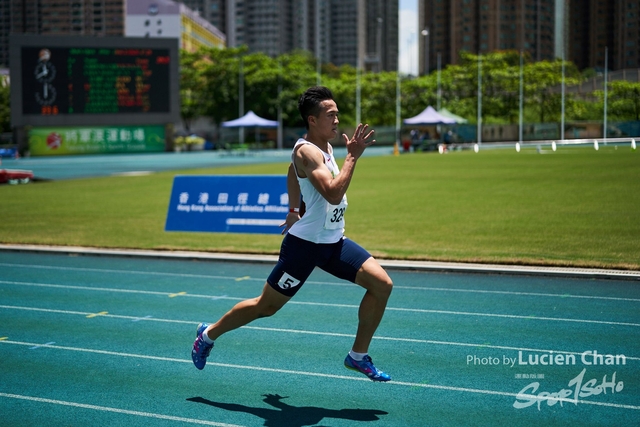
(429, 116)
(251, 119)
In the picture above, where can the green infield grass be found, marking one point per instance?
(574, 207)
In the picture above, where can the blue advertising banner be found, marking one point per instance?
(228, 204)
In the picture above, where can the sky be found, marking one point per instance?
(408, 36)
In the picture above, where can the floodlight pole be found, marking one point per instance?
(241, 96)
(379, 44)
(279, 142)
(318, 55)
(520, 120)
(358, 96)
(439, 89)
(563, 99)
(398, 109)
(479, 130)
(606, 64)
(425, 33)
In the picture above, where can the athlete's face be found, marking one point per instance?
(327, 121)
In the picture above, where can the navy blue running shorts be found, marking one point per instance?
(299, 257)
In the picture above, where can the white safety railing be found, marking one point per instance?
(596, 143)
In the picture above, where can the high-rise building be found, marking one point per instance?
(166, 18)
(583, 31)
(599, 28)
(105, 18)
(626, 48)
(80, 17)
(590, 32)
(355, 32)
(54, 17)
(5, 29)
(214, 11)
(448, 27)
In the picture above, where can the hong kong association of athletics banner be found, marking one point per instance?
(228, 204)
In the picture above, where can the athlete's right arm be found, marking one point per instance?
(310, 164)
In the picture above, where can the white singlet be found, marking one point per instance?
(322, 222)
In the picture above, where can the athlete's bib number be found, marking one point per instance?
(335, 216)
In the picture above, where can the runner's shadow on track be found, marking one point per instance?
(285, 415)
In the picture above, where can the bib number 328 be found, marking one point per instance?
(335, 216)
(338, 214)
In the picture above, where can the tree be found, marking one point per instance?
(418, 94)
(623, 100)
(192, 86)
(261, 77)
(210, 87)
(541, 78)
(221, 83)
(5, 106)
(297, 73)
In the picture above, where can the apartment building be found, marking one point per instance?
(97, 18)
(583, 31)
(448, 27)
(355, 32)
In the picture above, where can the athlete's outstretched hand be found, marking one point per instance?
(359, 141)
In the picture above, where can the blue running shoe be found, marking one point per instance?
(366, 367)
(201, 349)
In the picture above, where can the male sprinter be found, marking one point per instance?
(317, 238)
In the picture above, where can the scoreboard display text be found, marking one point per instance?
(95, 80)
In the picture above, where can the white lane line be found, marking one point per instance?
(300, 331)
(413, 310)
(116, 410)
(104, 270)
(326, 375)
(420, 288)
(528, 294)
(115, 290)
(400, 309)
(35, 347)
(464, 313)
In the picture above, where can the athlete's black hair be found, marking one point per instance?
(309, 102)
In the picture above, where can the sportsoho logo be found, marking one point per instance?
(581, 386)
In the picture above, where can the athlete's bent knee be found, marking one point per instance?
(384, 287)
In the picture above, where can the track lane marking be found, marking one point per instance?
(42, 345)
(325, 375)
(92, 315)
(247, 278)
(300, 331)
(414, 310)
(116, 410)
